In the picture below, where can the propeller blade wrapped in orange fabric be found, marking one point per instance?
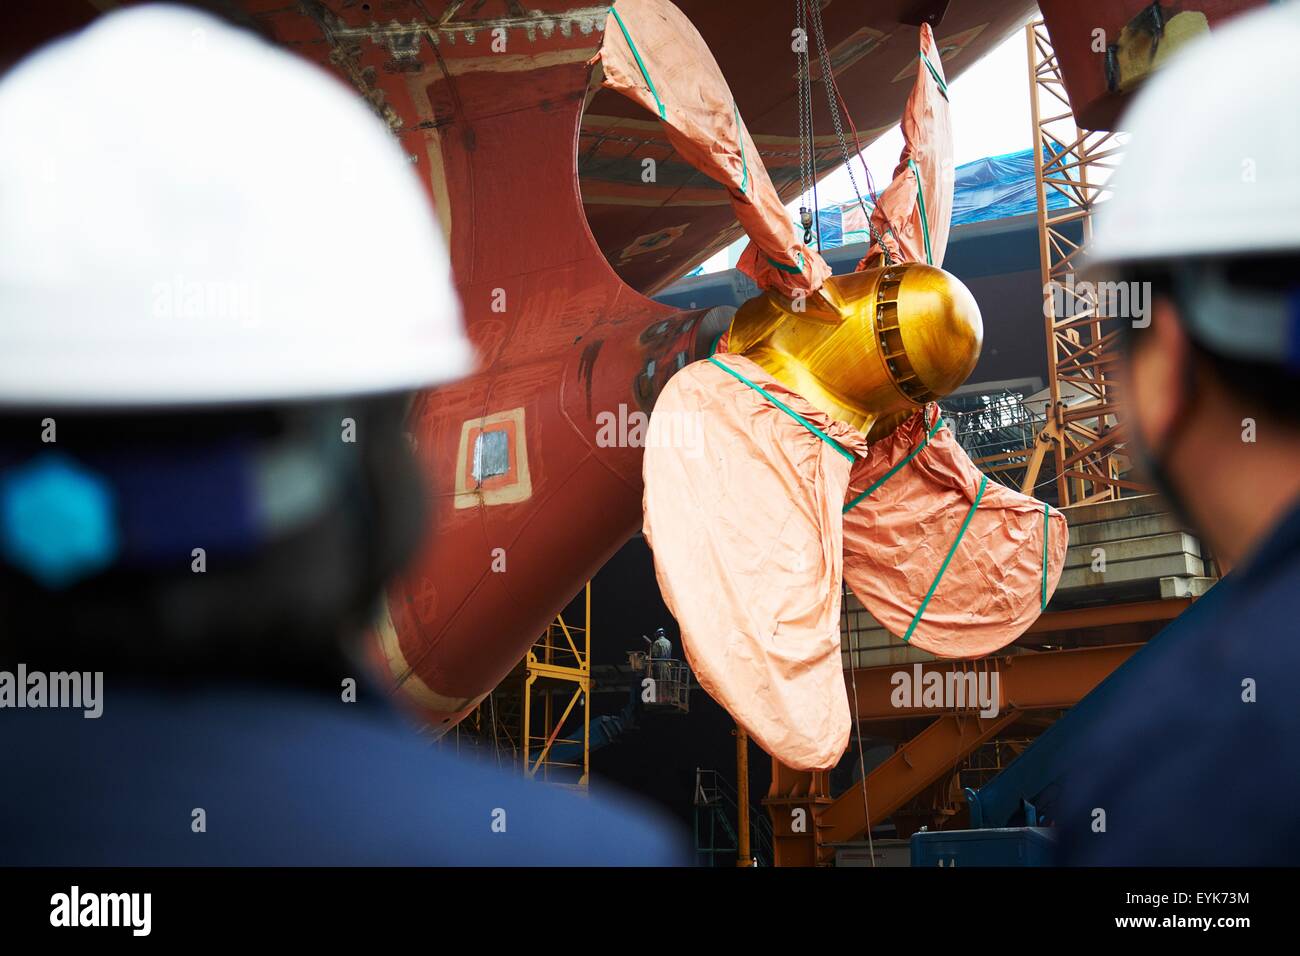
(744, 523)
(914, 214)
(952, 577)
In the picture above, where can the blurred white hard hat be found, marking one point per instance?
(1211, 167)
(191, 216)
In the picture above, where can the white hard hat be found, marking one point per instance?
(1211, 167)
(189, 215)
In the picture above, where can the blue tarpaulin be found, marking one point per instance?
(829, 221)
(995, 187)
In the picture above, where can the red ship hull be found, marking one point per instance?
(491, 102)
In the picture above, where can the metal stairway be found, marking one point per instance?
(716, 809)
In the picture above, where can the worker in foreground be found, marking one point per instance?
(1199, 763)
(220, 280)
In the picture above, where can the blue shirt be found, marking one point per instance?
(1187, 771)
(284, 777)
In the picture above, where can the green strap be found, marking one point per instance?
(787, 409)
(639, 62)
(740, 137)
(713, 349)
(793, 270)
(938, 423)
(1045, 526)
(925, 222)
(943, 87)
(984, 480)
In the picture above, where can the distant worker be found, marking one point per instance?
(662, 648)
(1199, 761)
(220, 281)
(661, 654)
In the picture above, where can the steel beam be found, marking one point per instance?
(902, 777)
(1106, 615)
(806, 820)
(1034, 681)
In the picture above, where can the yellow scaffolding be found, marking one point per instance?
(558, 668)
(1082, 431)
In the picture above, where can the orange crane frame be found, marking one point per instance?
(806, 820)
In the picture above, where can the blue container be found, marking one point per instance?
(1010, 846)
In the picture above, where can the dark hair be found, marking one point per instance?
(286, 611)
(1270, 388)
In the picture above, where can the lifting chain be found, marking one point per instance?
(832, 97)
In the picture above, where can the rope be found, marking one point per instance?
(817, 215)
(832, 92)
(857, 726)
(871, 186)
(807, 144)
(787, 409)
(853, 675)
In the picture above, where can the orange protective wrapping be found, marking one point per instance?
(744, 512)
(897, 538)
(747, 519)
(745, 527)
(927, 149)
(653, 55)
